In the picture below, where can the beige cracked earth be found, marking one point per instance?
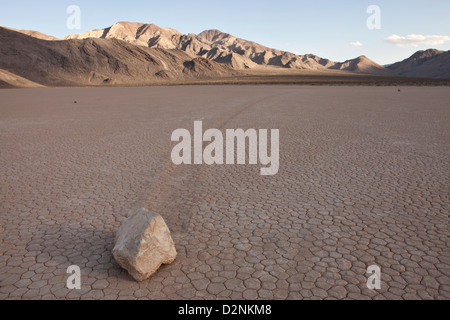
(363, 180)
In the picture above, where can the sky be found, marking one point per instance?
(334, 29)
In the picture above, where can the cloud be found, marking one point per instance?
(356, 44)
(415, 40)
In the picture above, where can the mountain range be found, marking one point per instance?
(224, 48)
(430, 63)
(136, 53)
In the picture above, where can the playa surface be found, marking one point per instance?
(364, 180)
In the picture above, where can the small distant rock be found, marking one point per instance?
(143, 243)
(75, 101)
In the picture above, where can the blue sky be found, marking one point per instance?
(324, 28)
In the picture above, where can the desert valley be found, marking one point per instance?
(91, 124)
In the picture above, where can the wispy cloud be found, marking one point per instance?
(415, 40)
(356, 44)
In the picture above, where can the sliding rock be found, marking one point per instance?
(143, 243)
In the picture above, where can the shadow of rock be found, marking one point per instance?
(61, 246)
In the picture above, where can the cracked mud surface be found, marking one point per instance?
(364, 180)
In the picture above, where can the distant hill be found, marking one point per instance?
(362, 64)
(431, 63)
(35, 34)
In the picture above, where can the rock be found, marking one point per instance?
(143, 243)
